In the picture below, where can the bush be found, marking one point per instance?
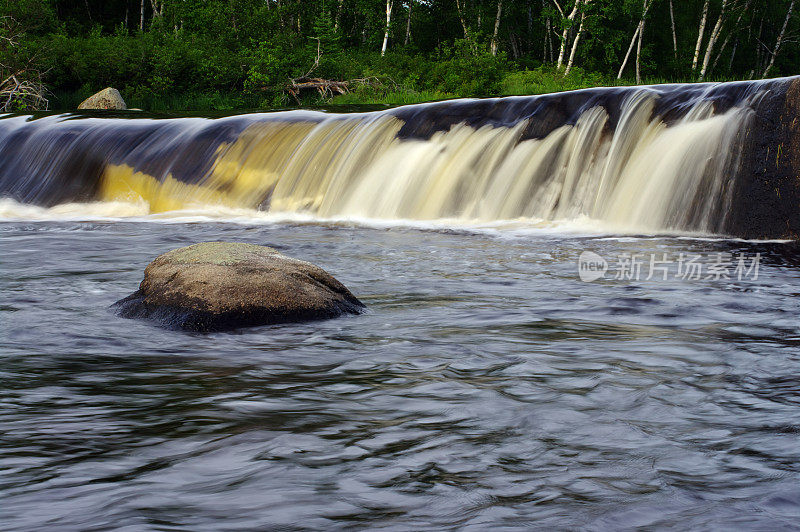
(543, 80)
(467, 69)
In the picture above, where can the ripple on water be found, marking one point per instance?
(486, 387)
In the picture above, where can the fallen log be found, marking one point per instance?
(325, 87)
(21, 94)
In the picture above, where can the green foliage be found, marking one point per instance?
(23, 27)
(222, 54)
(466, 69)
(328, 36)
(28, 17)
(390, 98)
(546, 79)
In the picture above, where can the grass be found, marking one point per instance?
(542, 80)
(391, 98)
(547, 80)
(199, 102)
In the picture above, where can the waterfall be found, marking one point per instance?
(645, 159)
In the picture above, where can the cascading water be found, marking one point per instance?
(634, 159)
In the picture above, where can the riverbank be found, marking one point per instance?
(541, 80)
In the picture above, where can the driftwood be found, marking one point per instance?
(327, 88)
(16, 93)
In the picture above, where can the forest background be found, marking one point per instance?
(220, 55)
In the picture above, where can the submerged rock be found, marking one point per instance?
(225, 285)
(108, 98)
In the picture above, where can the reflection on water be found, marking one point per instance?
(486, 387)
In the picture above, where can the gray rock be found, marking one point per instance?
(107, 98)
(223, 285)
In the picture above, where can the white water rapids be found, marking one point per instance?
(642, 174)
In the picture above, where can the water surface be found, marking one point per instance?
(487, 387)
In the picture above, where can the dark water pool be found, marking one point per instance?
(487, 387)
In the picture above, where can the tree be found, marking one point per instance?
(674, 34)
(460, 9)
(21, 65)
(577, 39)
(779, 41)
(408, 23)
(254, 46)
(567, 24)
(713, 40)
(496, 27)
(701, 30)
(637, 38)
(389, 6)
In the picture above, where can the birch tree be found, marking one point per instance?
(496, 27)
(712, 40)
(547, 52)
(460, 9)
(158, 9)
(639, 46)
(778, 43)
(408, 23)
(577, 39)
(389, 5)
(636, 38)
(567, 24)
(700, 32)
(731, 33)
(674, 34)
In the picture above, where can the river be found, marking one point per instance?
(487, 386)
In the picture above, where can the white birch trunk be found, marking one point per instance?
(408, 23)
(546, 37)
(636, 36)
(674, 34)
(733, 31)
(639, 53)
(496, 26)
(712, 40)
(575, 42)
(549, 40)
(700, 33)
(389, 5)
(630, 49)
(565, 33)
(461, 18)
(779, 41)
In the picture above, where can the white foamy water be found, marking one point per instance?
(635, 172)
(12, 211)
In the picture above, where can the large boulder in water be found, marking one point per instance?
(222, 285)
(108, 98)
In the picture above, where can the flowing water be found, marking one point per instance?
(632, 165)
(491, 384)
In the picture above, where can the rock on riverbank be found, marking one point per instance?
(108, 98)
(223, 285)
